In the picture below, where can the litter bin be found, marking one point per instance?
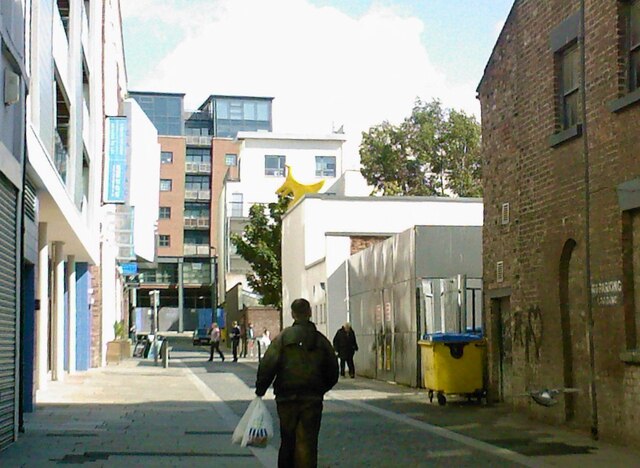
(452, 364)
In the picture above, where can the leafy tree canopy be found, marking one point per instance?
(259, 245)
(434, 151)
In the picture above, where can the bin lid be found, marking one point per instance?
(453, 337)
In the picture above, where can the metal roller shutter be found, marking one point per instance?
(8, 316)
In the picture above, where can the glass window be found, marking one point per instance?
(165, 185)
(231, 159)
(196, 237)
(196, 210)
(166, 157)
(569, 86)
(164, 240)
(249, 111)
(235, 110)
(325, 166)
(196, 182)
(165, 212)
(634, 46)
(274, 165)
(198, 155)
(236, 205)
(222, 109)
(262, 111)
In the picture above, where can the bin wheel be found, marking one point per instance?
(430, 396)
(442, 400)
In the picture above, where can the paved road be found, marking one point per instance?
(360, 425)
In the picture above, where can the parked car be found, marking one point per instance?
(201, 337)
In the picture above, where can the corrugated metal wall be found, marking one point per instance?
(8, 310)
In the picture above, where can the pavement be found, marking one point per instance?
(139, 414)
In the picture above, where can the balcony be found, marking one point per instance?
(198, 168)
(196, 250)
(196, 223)
(198, 140)
(197, 195)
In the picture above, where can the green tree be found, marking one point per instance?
(434, 151)
(259, 245)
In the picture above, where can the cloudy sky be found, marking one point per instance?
(327, 62)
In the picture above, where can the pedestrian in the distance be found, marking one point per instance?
(214, 333)
(263, 342)
(235, 340)
(304, 366)
(251, 341)
(346, 345)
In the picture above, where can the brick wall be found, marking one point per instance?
(96, 316)
(541, 337)
(359, 243)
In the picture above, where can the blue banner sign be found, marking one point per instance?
(116, 171)
(129, 269)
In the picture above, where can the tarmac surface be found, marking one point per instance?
(139, 414)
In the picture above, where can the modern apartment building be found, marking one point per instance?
(13, 75)
(85, 147)
(197, 149)
(560, 109)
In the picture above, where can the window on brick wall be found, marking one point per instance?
(164, 240)
(569, 86)
(633, 45)
(165, 212)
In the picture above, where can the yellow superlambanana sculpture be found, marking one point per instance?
(298, 190)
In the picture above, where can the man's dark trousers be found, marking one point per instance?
(299, 429)
(215, 346)
(348, 360)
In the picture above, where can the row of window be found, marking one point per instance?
(569, 66)
(190, 238)
(191, 210)
(273, 164)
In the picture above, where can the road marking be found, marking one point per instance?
(441, 432)
(268, 456)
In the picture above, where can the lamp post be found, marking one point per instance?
(213, 261)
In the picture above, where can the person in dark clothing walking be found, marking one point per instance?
(214, 332)
(346, 345)
(235, 340)
(304, 366)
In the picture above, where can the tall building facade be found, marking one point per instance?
(194, 149)
(560, 101)
(14, 76)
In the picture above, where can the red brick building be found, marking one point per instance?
(561, 137)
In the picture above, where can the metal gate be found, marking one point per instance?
(8, 315)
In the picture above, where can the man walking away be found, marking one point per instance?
(304, 366)
(215, 341)
(235, 340)
(345, 344)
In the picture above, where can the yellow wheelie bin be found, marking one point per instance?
(452, 364)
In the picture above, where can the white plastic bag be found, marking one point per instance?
(255, 427)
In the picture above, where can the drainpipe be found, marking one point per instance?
(587, 227)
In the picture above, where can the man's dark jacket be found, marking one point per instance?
(302, 362)
(345, 343)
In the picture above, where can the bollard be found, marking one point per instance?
(165, 353)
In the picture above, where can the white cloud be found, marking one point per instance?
(322, 66)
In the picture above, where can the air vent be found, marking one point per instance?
(499, 272)
(505, 213)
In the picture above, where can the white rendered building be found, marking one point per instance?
(262, 160)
